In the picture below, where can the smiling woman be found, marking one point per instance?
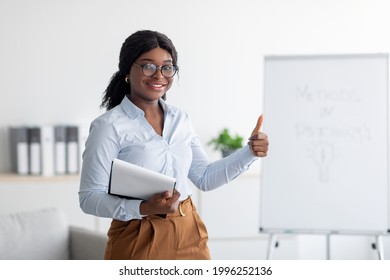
(134, 46)
(140, 127)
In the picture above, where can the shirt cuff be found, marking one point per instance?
(246, 156)
(132, 208)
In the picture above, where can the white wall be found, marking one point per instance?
(58, 56)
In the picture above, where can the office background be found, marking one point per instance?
(58, 56)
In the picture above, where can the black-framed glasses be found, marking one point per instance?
(149, 69)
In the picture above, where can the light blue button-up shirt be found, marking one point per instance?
(123, 132)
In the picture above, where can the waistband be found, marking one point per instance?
(185, 207)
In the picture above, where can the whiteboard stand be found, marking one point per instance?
(272, 244)
(328, 246)
(378, 246)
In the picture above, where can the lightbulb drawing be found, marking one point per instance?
(323, 155)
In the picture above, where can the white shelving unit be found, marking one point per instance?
(14, 178)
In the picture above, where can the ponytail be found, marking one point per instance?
(115, 92)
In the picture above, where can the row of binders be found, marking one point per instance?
(47, 150)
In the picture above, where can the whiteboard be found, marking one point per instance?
(327, 119)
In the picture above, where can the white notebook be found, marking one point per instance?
(132, 181)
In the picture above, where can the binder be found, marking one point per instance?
(19, 149)
(34, 135)
(47, 146)
(60, 149)
(132, 181)
(83, 135)
(72, 153)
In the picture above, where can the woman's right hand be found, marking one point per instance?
(161, 203)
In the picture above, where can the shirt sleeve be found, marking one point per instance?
(207, 175)
(101, 147)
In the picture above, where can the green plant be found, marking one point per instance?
(225, 141)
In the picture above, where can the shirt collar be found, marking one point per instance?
(133, 111)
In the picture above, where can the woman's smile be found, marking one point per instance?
(156, 85)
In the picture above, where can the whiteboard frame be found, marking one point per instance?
(264, 229)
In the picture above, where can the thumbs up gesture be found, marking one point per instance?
(258, 142)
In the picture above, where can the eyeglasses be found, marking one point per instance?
(149, 69)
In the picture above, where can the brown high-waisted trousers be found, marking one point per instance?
(178, 236)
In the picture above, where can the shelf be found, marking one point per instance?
(15, 178)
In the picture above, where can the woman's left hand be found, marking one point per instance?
(258, 142)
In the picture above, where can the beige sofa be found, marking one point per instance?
(45, 234)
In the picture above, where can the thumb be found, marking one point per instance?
(259, 123)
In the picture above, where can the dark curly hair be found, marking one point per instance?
(134, 46)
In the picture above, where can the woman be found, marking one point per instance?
(141, 128)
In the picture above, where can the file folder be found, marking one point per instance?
(132, 181)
